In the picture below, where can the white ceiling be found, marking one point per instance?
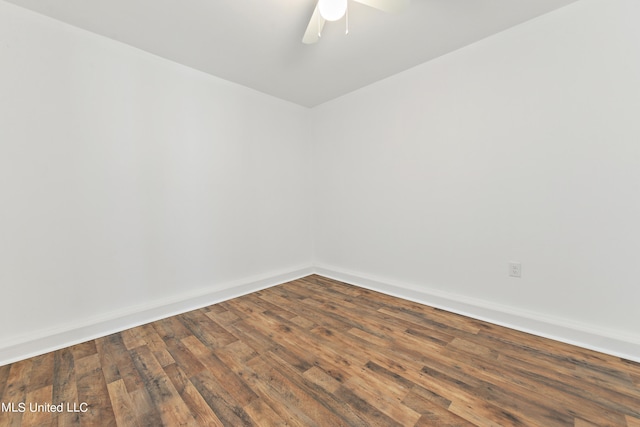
(257, 43)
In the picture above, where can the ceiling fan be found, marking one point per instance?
(333, 10)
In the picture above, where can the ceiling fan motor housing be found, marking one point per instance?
(332, 10)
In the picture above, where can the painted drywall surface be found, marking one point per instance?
(522, 147)
(126, 179)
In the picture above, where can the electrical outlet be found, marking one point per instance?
(515, 269)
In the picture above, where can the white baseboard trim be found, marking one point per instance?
(51, 339)
(563, 330)
(586, 336)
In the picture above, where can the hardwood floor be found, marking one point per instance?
(316, 352)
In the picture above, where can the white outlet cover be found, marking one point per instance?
(515, 269)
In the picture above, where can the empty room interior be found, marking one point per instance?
(414, 213)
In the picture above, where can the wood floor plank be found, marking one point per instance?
(15, 392)
(126, 368)
(206, 329)
(307, 308)
(4, 376)
(237, 351)
(227, 409)
(224, 317)
(632, 421)
(147, 414)
(462, 381)
(183, 357)
(201, 411)
(282, 332)
(122, 404)
(313, 401)
(383, 397)
(431, 404)
(108, 357)
(133, 338)
(327, 403)
(92, 389)
(582, 423)
(615, 380)
(33, 415)
(446, 419)
(18, 381)
(154, 343)
(171, 327)
(319, 377)
(161, 390)
(83, 349)
(251, 336)
(238, 359)
(340, 292)
(607, 401)
(267, 306)
(65, 385)
(264, 415)
(41, 372)
(481, 413)
(237, 387)
(275, 394)
(319, 352)
(371, 415)
(303, 322)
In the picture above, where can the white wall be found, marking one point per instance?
(522, 147)
(128, 181)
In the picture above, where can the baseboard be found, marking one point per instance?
(586, 336)
(46, 340)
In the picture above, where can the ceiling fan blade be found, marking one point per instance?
(312, 34)
(387, 5)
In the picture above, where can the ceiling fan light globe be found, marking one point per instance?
(332, 10)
